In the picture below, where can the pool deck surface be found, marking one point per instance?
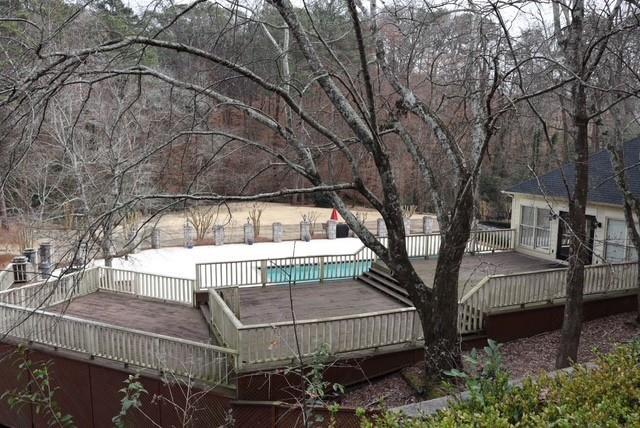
(311, 301)
(123, 310)
(349, 297)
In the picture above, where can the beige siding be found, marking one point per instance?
(601, 212)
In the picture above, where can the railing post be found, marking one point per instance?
(263, 272)
(136, 283)
(321, 269)
(195, 287)
(417, 327)
(426, 246)
(355, 266)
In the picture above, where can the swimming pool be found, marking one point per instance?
(311, 272)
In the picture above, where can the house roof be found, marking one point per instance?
(602, 186)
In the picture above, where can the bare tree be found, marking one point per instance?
(364, 93)
(583, 49)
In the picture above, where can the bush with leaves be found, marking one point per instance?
(605, 396)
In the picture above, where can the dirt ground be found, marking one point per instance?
(521, 358)
(232, 215)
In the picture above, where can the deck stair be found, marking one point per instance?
(383, 281)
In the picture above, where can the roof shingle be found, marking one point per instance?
(602, 186)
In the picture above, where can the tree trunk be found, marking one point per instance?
(442, 341)
(438, 307)
(105, 243)
(572, 321)
(4, 220)
(638, 292)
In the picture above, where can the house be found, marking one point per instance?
(539, 206)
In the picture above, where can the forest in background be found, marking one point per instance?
(119, 136)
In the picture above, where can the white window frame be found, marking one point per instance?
(627, 244)
(535, 228)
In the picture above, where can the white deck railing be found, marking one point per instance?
(343, 266)
(183, 357)
(224, 321)
(480, 241)
(171, 289)
(264, 343)
(6, 277)
(54, 290)
(272, 342)
(545, 286)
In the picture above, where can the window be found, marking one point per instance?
(618, 246)
(534, 227)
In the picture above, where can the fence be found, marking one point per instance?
(224, 322)
(480, 241)
(162, 287)
(54, 290)
(320, 268)
(545, 286)
(6, 277)
(183, 357)
(270, 342)
(263, 343)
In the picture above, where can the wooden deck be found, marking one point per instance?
(311, 301)
(123, 310)
(476, 267)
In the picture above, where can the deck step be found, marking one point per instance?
(386, 290)
(381, 267)
(384, 274)
(389, 283)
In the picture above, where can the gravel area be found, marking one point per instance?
(522, 357)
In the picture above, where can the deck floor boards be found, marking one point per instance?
(476, 267)
(311, 301)
(140, 314)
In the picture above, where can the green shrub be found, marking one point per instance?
(605, 396)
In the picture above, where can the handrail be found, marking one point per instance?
(226, 309)
(254, 272)
(328, 319)
(475, 289)
(51, 289)
(6, 277)
(167, 288)
(117, 343)
(515, 289)
(120, 328)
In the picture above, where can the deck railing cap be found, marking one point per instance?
(119, 328)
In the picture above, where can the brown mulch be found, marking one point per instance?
(389, 391)
(521, 358)
(529, 356)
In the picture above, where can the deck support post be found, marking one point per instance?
(263, 272)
